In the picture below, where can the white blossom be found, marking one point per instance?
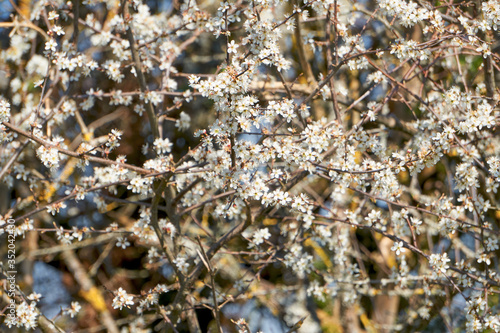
(122, 299)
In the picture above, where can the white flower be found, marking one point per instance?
(484, 257)
(4, 110)
(193, 81)
(55, 207)
(122, 242)
(232, 47)
(113, 139)
(53, 15)
(35, 297)
(122, 299)
(466, 176)
(37, 65)
(484, 49)
(169, 228)
(398, 248)
(492, 244)
(58, 30)
(439, 263)
(27, 315)
(153, 97)
(139, 109)
(51, 45)
(152, 298)
(317, 291)
(493, 163)
(64, 237)
(260, 235)
(141, 185)
(376, 77)
(183, 122)
(181, 264)
(73, 309)
(162, 146)
(113, 70)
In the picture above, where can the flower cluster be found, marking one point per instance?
(26, 314)
(48, 156)
(268, 148)
(122, 299)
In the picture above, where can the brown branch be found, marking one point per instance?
(74, 154)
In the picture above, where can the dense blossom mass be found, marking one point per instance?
(331, 165)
